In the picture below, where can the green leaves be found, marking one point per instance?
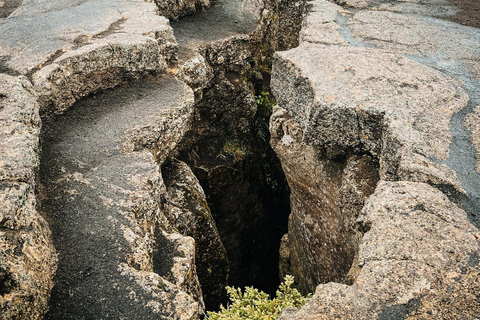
(256, 305)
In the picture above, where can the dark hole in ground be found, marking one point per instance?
(250, 205)
(246, 191)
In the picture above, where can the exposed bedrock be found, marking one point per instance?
(188, 212)
(378, 162)
(327, 195)
(27, 256)
(83, 46)
(102, 191)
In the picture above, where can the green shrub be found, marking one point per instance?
(255, 304)
(236, 150)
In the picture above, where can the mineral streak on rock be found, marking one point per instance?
(27, 257)
(472, 122)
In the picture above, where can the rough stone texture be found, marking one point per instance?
(416, 238)
(27, 257)
(420, 36)
(182, 267)
(437, 8)
(175, 9)
(344, 96)
(396, 115)
(189, 213)
(290, 16)
(472, 122)
(237, 59)
(326, 198)
(83, 46)
(455, 296)
(113, 265)
(319, 24)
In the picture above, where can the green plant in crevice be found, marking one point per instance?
(255, 304)
(265, 105)
(234, 149)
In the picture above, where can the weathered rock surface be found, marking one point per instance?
(190, 214)
(27, 257)
(437, 8)
(327, 196)
(227, 63)
(399, 117)
(175, 9)
(455, 296)
(83, 46)
(396, 88)
(109, 266)
(416, 238)
(420, 36)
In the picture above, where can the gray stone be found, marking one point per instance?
(437, 8)
(369, 100)
(319, 25)
(83, 46)
(175, 9)
(339, 97)
(326, 198)
(472, 122)
(415, 237)
(190, 214)
(418, 35)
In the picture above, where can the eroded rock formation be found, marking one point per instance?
(369, 131)
(359, 89)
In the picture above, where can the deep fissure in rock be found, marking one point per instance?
(245, 188)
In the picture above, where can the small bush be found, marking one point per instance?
(255, 304)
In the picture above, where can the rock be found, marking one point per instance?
(343, 101)
(415, 238)
(175, 9)
(472, 122)
(223, 149)
(167, 300)
(165, 129)
(290, 17)
(114, 265)
(178, 252)
(27, 256)
(437, 8)
(83, 46)
(403, 129)
(420, 36)
(319, 24)
(189, 213)
(455, 296)
(326, 198)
